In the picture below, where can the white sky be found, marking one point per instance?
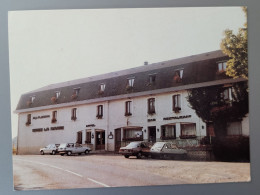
(53, 46)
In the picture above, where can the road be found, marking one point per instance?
(96, 170)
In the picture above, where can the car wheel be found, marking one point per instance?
(69, 153)
(86, 151)
(126, 156)
(42, 153)
(139, 155)
(53, 152)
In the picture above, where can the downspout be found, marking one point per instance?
(107, 133)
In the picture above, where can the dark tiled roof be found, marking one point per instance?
(197, 69)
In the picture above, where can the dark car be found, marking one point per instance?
(167, 150)
(137, 149)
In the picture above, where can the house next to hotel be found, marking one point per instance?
(108, 111)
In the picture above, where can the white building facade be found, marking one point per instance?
(63, 113)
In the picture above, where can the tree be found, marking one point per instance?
(210, 105)
(235, 46)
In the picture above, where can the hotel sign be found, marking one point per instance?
(177, 117)
(48, 128)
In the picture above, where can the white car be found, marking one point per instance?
(50, 149)
(72, 148)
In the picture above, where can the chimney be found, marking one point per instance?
(145, 63)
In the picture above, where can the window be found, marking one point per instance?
(151, 106)
(188, 131)
(29, 119)
(234, 128)
(178, 74)
(31, 100)
(100, 111)
(152, 79)
(75, 93)
(133, 135)
(227, 94)
(128, 105)
(130, 82)
(54, 117)
(102, 87)
(176, 102)
(88, 137)
(222, 66)
(74, 114)
(57, 94)
(168, 132)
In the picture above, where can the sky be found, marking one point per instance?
(52, 46)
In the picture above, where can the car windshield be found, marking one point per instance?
(158, 146)
(62, 145)
(133, 144)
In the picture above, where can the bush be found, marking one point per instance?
(235, 148)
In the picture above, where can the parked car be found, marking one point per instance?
(72, 148)
(137, 149)
(167, 150)
(50, 149)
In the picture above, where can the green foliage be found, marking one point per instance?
(210, 106)
(235, 46)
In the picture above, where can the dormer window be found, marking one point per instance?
(222, 66)
(75, 93)
(178, 74)
(102, 87)
(31, 100)
(152, 78)
(57, 94)
(130, 83)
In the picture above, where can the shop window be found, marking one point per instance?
(100, 111)
(133, 135)
(128, 108)
(151, 106)
(188, 131)
(168, 132)
(88, 137)
(54, 117)
(176, 103)
(29, 119)
(222, 66)
(74, 114)
(234, 128)
(178, 74)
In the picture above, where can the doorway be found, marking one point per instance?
(100, 140)
(79, 137)
(117, 139)
(152, 134)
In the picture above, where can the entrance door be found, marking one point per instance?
(117, 140)
(100, 140)
(152, 134)
(79, 137)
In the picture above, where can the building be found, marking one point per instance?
(108, 111)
